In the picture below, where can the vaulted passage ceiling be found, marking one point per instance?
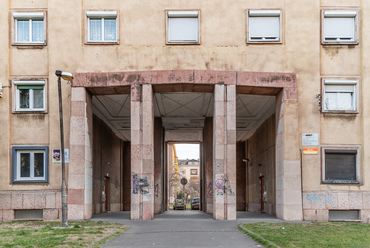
(183, 113)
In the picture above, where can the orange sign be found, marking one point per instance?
(311, 151)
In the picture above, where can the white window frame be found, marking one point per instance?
(28, 16)
(332, 14)
(261, 14)
(17, 83)
(16, 171)
(355, 82)
(344, 148)
(182, 14)
(101, 15)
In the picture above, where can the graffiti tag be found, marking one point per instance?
(319, 200)
(222, 186)
(209, 190)
(156, 190)
(140, 185)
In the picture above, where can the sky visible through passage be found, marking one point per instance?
(187, 151)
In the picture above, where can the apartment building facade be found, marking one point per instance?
(273, 91)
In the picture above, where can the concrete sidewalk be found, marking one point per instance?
(183, 229)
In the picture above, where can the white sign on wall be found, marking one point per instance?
(310, 139)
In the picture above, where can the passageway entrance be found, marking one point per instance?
(130, 119)
(183, 168)
(255, 153)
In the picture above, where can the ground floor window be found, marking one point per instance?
(30, 164)
(341, 165)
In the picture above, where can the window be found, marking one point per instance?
(30, 164)
(340, 26)
(183, 27)
(29, 28)
(194, 171)
(102, 27)
(341, 165)
(340, 95)
(264, 26)
(29, 95)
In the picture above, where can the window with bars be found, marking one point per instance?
(102, 26)
(29, 28)
(30, 164)
(264, 26)
(30, 95)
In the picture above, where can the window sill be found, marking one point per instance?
(182, 43)
(29, 45)
(339, 43)
(30, 182)
(341, 182)
(264, 42)
(101, 42)
(42, 112)
(340, 112)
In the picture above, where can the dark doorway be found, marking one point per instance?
(262, 190)
(106, 193)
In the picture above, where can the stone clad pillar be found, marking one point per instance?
(288, 171)
(80, 162)
(224, 152)
(142, 152)
(230, 141)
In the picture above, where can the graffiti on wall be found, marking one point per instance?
(209, 190)
(320, 200)
(156, 190)
(222, 186)
(140, 185)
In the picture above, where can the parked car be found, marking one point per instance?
(179, 204)
(195, 203)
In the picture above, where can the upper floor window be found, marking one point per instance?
(183, 27)
(340, 26)
(30, 95)
(264, 26)
(340, 95)
(102, 26)
(29, 28)
(30, 164)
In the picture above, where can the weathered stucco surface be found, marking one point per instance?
(142, 48)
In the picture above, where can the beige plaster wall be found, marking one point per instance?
(142, 47)
(4, 101)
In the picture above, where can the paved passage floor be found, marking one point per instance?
(183, 229)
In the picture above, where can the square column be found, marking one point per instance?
(142, 152)
(288, 171)
(79, 182)
(224, 152)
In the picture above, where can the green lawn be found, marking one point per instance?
(44, 234)
(309, 234)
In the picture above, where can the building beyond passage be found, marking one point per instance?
(274, 92)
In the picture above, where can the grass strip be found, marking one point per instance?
(257, 237)
(313, 235)
(49, 234)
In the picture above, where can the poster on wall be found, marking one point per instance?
(57, 156)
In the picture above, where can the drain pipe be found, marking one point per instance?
(301, 165)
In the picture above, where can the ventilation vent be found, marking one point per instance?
(344, 215)
(29, 214)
